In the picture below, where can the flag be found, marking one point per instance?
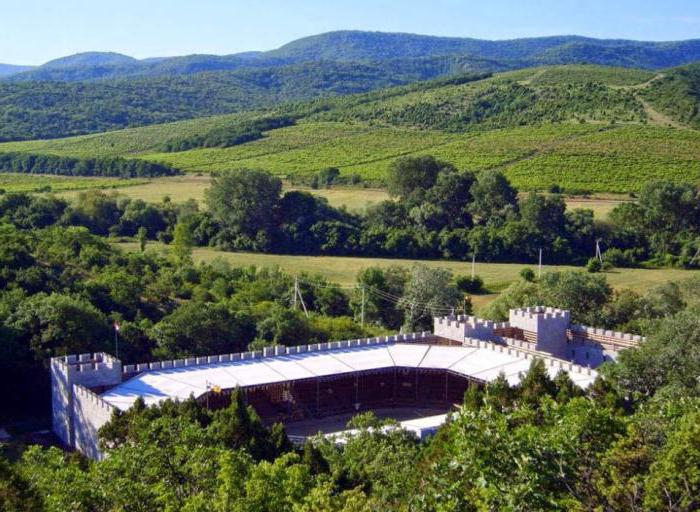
(116, 327)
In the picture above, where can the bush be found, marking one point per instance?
(527, 274)
(619, 258)
(468, 284)
(594, 265)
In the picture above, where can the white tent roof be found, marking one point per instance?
(179, 383)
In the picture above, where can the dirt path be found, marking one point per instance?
(528, 81)
(655, 117)
(659, 118)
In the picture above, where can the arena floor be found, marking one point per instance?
(337, 423)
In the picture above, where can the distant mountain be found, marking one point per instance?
(12, 69)
(83, 66)
(359, 46)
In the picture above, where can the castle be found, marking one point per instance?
(312, 381)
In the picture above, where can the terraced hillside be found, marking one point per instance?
(583, 128)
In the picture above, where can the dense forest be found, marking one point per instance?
(437, 211)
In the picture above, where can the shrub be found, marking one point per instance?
(468, 284)
(527, 274)
(594, 265)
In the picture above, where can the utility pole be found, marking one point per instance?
(294, 297)
(297, 293)
(362, 313)
(539, 267)
(473, 264)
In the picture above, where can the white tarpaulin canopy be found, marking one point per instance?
(179, 383)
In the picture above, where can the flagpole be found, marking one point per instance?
(116, 340)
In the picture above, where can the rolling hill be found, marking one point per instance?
(93, 92)
(31, 110)
(583, 128)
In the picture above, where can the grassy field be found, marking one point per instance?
(343, 270)
(182, 188)
(42, 183)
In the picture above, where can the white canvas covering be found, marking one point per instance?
(179, 383)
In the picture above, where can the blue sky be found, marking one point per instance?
(34, 31)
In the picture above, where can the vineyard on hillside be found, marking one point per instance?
(581, 128)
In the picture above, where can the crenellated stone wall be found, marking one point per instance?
(90, 412)
(526, 353)
(279, 350)
(460, 327)
(611, 340)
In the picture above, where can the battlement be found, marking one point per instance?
(614, 339)
(278, 350)
(84, 395)
(540, 312)
(527, 353)
(86, 362)
(458, 328)
(468, 320)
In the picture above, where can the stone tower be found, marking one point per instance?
(98, 370)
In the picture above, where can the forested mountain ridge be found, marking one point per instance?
(361, 46)
(43, 110)
(96, 91)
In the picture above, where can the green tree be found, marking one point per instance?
(142, 237)
(243, 203)
(238, 426)
(380, 285)
(536, 384)
(669, 358)
(196, 329)
(494, 198)
(60, 324)
(429, 292)
(15, 493)
(408, 175)
(183, 240)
